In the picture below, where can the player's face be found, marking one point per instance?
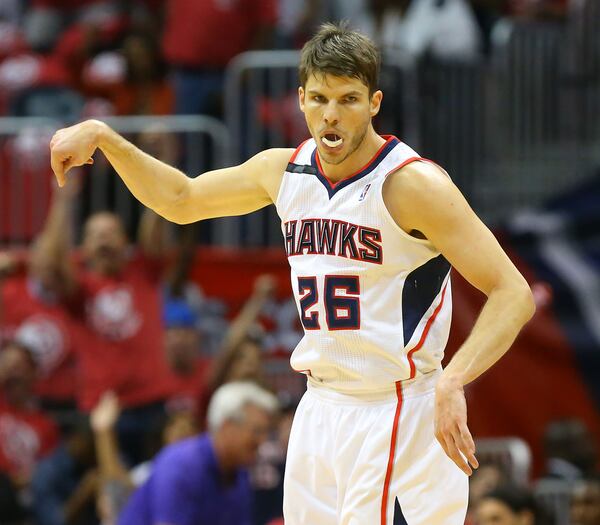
(338, 112)
(494, 512)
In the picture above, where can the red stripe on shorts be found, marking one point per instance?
(390, 465)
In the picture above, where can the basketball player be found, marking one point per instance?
(370, 230)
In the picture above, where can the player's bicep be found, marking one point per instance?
(224, 192)
(434, 206)
(233, 191)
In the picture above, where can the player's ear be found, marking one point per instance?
(375, 102)
(301, 98)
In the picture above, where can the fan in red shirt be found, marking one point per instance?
(34, 311)
(189, 368)
(195, 47)
(122, 308)
(117, 290)
(39, 320)
(26, 434)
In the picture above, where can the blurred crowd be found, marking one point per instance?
(126, 57)
(126, 394)
(110, 352)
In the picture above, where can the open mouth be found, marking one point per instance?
(331, 140)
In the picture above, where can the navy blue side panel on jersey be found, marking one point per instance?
(420, 289)
(399, 518)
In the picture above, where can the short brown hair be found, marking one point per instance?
(339, 51)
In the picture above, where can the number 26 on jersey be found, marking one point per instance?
(342, 310)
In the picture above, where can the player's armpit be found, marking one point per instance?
(234, 191)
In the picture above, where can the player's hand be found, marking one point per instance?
(451, 424)
(72, 147)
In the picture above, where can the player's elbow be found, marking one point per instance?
(525, 300)
(177, 207)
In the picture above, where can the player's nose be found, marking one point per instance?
(331, 114)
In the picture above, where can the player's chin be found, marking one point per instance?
(332, 156)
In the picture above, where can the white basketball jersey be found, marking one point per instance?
(375, 302)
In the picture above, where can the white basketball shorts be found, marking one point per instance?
(371, 460)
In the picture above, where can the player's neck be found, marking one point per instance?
(357, 160)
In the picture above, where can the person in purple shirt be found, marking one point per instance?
(202, 480)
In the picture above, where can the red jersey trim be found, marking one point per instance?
(297, 151)
(415, 159)
(421, 342)
(389, 139)
(390, 465)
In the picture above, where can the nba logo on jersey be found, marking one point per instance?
(364, 193)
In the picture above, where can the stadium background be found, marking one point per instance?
(505, 95)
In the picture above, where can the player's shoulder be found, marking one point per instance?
(418, 190)
(274, 160)
(420, 178)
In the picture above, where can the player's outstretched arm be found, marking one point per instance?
(421, 197)
(165, 189)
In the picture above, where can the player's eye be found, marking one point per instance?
(319, 98)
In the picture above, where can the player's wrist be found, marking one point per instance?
(99, 133)
(450, 381)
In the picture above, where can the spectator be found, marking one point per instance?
(26, 434)
(240, 357)
(64, 484)
(202, 480)
(45, 19)
(487, 13)
(38, 311)
(194, 46)
(485, 479)
(146, 91)
(443, 29)
(267, 474)
(585, 502)
(570, 450)
(507, 505)
(189, 366)
(125, 352)
(116, 481)
(297, 21)
(123, 348)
